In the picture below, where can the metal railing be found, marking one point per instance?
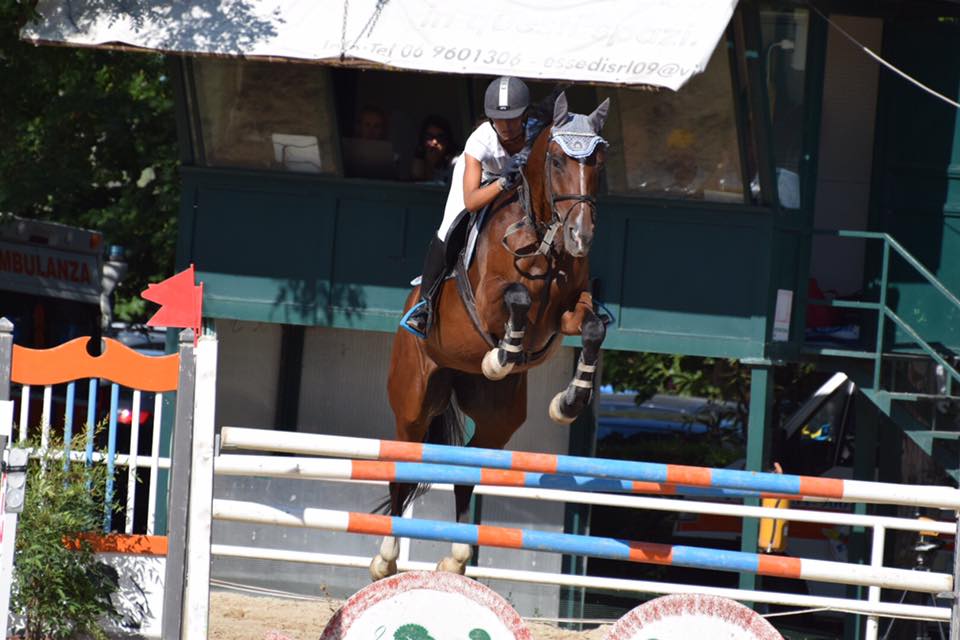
(136, 466)
(884, 312)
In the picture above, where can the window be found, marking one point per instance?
(386, 116)
(784, 35)
(262, 115)
(676, 144)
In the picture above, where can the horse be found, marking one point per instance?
(527, 285)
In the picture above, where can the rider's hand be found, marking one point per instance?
(509, 180)
(511, 176)
(519, 160)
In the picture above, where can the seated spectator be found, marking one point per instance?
(371, 124)
(370, 153)
(434, 155)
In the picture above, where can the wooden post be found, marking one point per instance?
(197, 590)
(8, 521)
(6, 357)
(179, 492)
(955, 605)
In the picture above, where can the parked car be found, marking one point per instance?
(618, 412)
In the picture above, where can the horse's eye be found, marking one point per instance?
(558, 163)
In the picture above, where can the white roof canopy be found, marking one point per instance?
(658, 42)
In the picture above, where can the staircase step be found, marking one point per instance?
(838, 353)
(928, 436)
(942, 446)
(915, 397)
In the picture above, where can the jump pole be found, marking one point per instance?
(425, 472)
(937, 497)
(577, 489)
(600, 547)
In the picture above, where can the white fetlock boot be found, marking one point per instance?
(384, 564)
(456, 562)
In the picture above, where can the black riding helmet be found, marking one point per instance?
(506, 98)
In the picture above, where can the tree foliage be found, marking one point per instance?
(89, 139)
(717, 379)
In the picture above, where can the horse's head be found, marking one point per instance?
(574, 156)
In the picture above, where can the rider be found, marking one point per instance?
(490, 165)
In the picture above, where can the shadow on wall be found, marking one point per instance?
(319, 303)
(139, 598)
(218, 27)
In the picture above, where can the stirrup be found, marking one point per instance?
(406, 318)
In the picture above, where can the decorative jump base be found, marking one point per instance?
(429, 605)
(426, 605)
(692, 616)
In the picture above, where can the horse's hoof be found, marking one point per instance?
(450, 565)
(492, 369)
(556, 414)
(380, 568)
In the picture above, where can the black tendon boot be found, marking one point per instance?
(420, 318)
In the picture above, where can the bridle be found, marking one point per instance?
(547, 233)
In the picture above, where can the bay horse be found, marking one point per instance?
(527, 285)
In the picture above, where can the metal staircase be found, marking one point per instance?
(930, 417)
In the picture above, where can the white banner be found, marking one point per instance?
(658, 42)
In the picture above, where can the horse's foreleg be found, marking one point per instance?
(460, 553)
(384, 564)
(499, 361)
(567, 405)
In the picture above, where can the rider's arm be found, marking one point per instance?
(476, 197)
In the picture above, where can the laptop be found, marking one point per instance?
(368, 158)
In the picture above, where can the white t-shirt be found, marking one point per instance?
(483, 145)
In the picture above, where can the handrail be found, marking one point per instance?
(881, 307)
(913, 262)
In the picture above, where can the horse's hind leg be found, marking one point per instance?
(418, 393)
(498, 408)
(384, 564)
(567, 405)
(460, 553)
(499, 361)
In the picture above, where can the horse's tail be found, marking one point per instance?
(446, 428)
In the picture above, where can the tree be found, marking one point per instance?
(89, 139)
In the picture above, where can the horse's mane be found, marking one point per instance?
(536, 148)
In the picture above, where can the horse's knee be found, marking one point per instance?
(516, 296)
(593, 332)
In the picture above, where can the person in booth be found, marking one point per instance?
(434, 155)
(492, 158)
(371, 124)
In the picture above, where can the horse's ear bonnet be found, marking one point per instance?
(578, 135)
(560, 110)
(599, 116)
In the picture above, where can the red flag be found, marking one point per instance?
(180, 302)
